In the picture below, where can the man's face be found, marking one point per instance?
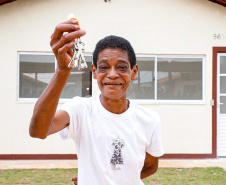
(113, 73)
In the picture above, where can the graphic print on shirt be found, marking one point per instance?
(117, 158)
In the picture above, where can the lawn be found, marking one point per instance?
(164, 176)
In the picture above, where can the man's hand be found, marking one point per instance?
(45, 119)
(75, 180)
(63, 39)
(150, 166)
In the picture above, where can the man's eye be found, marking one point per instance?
(123, 68)
(102, 67)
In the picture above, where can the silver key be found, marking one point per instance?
(74, 61)
(81, 59)
(78, 59)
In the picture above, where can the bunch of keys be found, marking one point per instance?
(78, 59)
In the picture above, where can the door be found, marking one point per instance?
(221, 104)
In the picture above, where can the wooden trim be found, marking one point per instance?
(74, 156)
(221, 2)
(38, 157)
(214, 97)
(5, 1)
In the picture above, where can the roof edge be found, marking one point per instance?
(220, 2)
(2, 2)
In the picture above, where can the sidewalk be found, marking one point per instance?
(202, 163)
(49, 164)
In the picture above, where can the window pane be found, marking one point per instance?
(223, 106)
(179, 78)
(36, 71)
(143, 87)
(223, 84)
(35, 74)
(79, 82)
(223, 64)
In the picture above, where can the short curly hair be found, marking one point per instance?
(114, 42)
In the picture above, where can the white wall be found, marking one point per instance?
(152, 27)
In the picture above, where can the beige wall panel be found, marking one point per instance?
(153, 27)
(185, 128)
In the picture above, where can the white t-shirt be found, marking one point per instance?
(111, 147)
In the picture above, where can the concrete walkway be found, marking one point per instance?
(49, 164)
(193, 163)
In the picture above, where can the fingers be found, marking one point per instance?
(62, 40)
(66, 38)
(59, 39)
(61, 29)
(75, 180)
(65, 54)
(69, 51)
(66, 26)
(66, 49)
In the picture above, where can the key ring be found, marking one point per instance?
(78, 59)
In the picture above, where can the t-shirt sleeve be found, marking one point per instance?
(72, 107)
(155, 146)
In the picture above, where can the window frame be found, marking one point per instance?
(33, 100)
(155, 101)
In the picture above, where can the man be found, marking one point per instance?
(117, 141)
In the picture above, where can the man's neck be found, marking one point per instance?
(115, 106)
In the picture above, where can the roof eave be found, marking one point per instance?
(221, 2)
(2, 2)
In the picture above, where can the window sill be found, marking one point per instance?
(34, 100)
(138, 101)
(168, 102)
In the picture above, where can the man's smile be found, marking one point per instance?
(112, 84)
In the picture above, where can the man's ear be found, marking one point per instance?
(134, 72)
(94, 70)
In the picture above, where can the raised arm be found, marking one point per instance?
(45, 119)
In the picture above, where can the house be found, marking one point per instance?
(181, 54)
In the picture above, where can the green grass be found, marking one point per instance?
(193, 176)
(164, 176)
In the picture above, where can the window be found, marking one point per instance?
(179, 78)
(79, 82)
(144, 86)
(35, 72)
(37, 69)
(160, 78)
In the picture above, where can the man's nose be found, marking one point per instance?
(112, 73)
